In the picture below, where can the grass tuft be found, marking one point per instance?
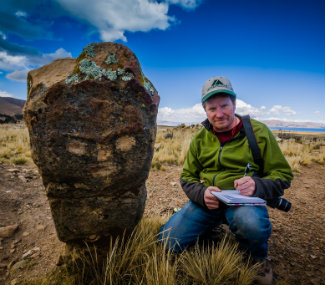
(140, 259)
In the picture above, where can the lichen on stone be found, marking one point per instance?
(111, 58)
(93, 71)
(148, 86)
(110, 74)
(74, 78)
(89, 50)
(120, 71)
(127, 76)
(90, 68)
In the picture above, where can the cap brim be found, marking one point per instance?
(210, 94)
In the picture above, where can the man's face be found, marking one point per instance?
(221, 113)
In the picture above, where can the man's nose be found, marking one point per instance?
(219, 113)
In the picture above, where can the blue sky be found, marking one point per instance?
(273, 51)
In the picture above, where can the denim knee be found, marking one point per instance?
(250, 223)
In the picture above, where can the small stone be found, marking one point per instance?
(22, 179)
(14, 282)
(40, 227)
(30, 252)
(26, 254)
(12, 250)
(25, 234)
(8, 231)
(173, 183)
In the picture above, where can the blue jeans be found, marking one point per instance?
(250, 225)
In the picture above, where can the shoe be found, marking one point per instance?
(265, 273)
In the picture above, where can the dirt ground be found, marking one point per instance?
(296, 245)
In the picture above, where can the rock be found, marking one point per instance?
(8, 231)
(40, 227)
(92, 126)
(25, 234)
(30, 252)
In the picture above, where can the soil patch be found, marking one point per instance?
(296, 245)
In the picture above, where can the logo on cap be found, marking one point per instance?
(216, 83)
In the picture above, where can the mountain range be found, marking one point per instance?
(11, 111)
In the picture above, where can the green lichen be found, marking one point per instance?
(89, 50)
(110, 74)
(111, 58)
(120, 71)
(148, 86)
(90, 68)
(74, 78)
(127, 76)
(93, 71)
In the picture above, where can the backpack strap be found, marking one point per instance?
(258, 159)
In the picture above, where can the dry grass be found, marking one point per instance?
(172, 150)
(14, 144)
(140, 260)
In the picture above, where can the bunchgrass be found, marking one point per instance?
(141, 259)
(172, 149)
(14, 144)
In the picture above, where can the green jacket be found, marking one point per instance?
(208, 163)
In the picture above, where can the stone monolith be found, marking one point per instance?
(92, 126)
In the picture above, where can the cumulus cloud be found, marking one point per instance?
(278, 109)
(196, 114)
(192, 115)
(187, 4)
(243, 108)
(11, 62)
(20, 65)
(5, 94)
(112, 18)
(18, 75)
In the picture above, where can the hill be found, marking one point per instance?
(11, 109)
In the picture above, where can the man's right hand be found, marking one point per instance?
(209, 199)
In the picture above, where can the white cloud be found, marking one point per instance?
(20, 65)
(48, 57)
(3, 36)
(21, 14)
(11, 62)
(196, 114)
(187, 4)
(192, 115)
(113, 18)
(281, 110)
(243, 108)
(5, 94)
(18, 75)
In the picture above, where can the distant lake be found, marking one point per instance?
(308, 130)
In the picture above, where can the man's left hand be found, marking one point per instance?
(246, 186)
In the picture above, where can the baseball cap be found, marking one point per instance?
(217, 84)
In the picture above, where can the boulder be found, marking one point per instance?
(92, 126)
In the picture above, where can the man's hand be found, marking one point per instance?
(246, 185)
(209, 199)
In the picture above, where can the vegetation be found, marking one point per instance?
(172, 144)
(139, 259)
(14, 144)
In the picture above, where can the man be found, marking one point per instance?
(216, 160)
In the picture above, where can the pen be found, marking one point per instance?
(249, 165)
